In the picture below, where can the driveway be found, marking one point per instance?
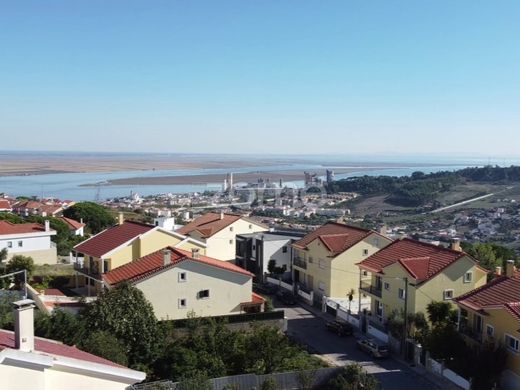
(309, 329)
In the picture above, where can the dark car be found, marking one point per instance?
(340, 328)
(266, 289)
(374, 348)
(286, 297)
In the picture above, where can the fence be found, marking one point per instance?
(343, 314)
(309, 297)
(284, 381)
(378, 334)
(282, 284)
(439, 369)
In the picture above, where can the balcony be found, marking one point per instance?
(371, 289)
(299, 262)
(86, 271)
(471, 333)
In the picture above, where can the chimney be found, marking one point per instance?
(455, 245)
(195, 253)
(167, 257)
(24, 325)
(221, 215)
(498, 271)
(382, 230)
(81, 220)
(47, 225)
(120, 218)
(510, 268)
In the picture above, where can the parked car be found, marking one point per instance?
(340, 328)
(374, 348)
(286, 297)
(267, 289)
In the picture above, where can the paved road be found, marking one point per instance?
(309, 329)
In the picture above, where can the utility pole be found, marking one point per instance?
(405, 334)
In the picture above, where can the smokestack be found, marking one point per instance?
(455, 245)
(47, 225)
(121, 218)
(498, 271)
(510, 268)
(167, 256)
(24, 325)
(195, 253)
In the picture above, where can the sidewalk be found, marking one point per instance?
(435, 380)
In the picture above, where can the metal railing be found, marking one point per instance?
(299, 262)
(371, 289)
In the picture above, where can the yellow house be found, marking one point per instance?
(219, 230)
(492, 314)
(28, 362)
(325, 259)
(179, 282)
(407, 275)
(124, 243)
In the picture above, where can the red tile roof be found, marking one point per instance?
(154, 262)
(256, 298)
(500, 292)
(337, 237)
(209, 224)
(51, 347)
(72, 223)
(421, 260)
(111, 238)
(5, 204)
(7, 227)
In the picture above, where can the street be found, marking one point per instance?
(307, 328)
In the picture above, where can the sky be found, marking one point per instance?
(274, 76)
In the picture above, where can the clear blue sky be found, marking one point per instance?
(279, 76)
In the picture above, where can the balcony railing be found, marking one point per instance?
(86, 271)
(299, 262)
(473, 334)
(371, 289)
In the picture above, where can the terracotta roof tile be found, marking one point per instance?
(111, 238)
(337, 237)
(72, 223)
(209, 224)
(421, 260)
(7, 227)
(51, 347)
(5, 204)
(154, 262)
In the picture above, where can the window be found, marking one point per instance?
(231, 242)
(321, 264)
(448, 294)
(182, 277)
(182, 303)
(9, 244)
(376, 241)
(20, 244)
(250, 226)
(387, 286)
(402, 293)
(284, 249)
(321, 286)
(511, 343)
(490, 331)
(365, 252)
(365, 273)
(310, 259)
(203, 294)
(468, 277)
(379, 309)
(231, 228)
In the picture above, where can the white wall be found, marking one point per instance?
(274, 250)
(29, 243)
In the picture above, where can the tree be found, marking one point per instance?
(269, 383)
(96, 217)
(104, 344)
(3, 254)
(60, 325)
(439, 313)
(353, 377)
(125, 313)
(19, 263)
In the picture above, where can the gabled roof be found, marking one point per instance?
(7, 227)
(210, 223)
(5, 204)
(51, 347)
(72, 223)
(500, 292)
(111, 238)
(337, 237)
(154, 262)
(421, 260)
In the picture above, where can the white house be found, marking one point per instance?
(77, 228)
(28, 239)
(28, 362)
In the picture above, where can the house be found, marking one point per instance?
(219, 231)
(28, 362)
(407, 275)
(121, 244)
(254, 251)
(76, 228)
(5, 205)
(491, 314)
(29, 239)
(325, 259)
(178, 282)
